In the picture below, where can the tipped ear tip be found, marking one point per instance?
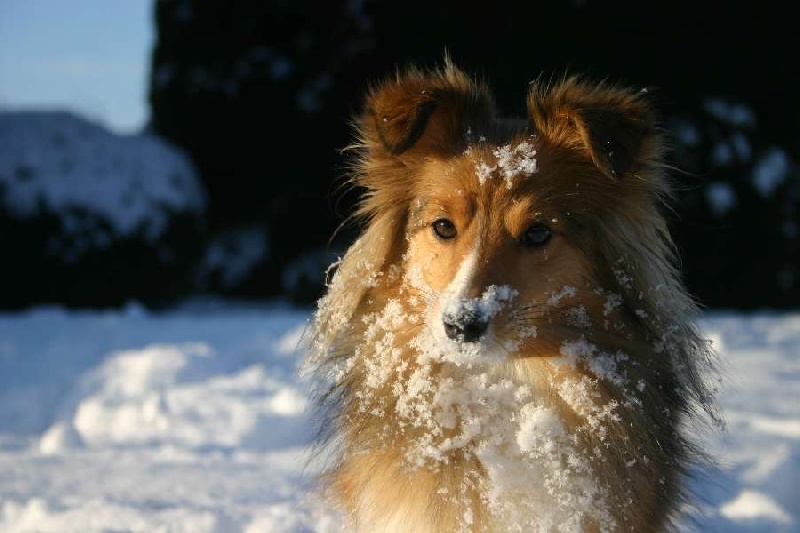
(401, 113)
(614, 124)
(400, 127)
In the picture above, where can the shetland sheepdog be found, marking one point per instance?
(508, 345)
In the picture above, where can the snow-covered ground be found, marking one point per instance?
(194, 420)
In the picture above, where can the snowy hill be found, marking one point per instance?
(94, 218)
(58, 162)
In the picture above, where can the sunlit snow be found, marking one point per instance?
(193, 420)
(59, 163)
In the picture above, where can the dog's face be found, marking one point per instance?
(490, 244)
(506, 225)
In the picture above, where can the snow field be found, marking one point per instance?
(194, 420)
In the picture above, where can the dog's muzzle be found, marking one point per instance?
(466, 326)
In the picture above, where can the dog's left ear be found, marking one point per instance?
(422, 113)
(614, 126)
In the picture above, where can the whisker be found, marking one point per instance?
(532, 305)
(426, 295)
(532, 314)
(495, 344)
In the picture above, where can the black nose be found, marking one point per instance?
(466, 327)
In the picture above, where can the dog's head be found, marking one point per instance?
(536, 246)
(499, 223)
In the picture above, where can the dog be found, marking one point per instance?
(508, 345)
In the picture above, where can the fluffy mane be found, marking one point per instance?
(589, 415)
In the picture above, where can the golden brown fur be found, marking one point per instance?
(569, 411)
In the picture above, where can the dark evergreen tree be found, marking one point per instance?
(261, 93)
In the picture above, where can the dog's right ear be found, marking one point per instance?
(614, 126)
(418, 114)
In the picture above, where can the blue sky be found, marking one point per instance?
(87, 56)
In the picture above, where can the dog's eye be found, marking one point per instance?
(537, 234)
(444, 228)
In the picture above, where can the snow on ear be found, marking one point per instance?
(422, 113)
(615, 126)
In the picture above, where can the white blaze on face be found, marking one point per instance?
(457, 288)
(451, 301)
(455, 306)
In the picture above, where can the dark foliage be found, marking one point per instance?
(128, 268)
(260, 93)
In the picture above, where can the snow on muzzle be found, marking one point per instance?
(467, 319)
